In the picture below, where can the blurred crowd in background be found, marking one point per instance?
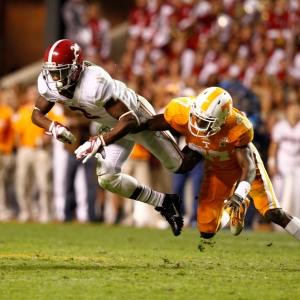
(173, 48)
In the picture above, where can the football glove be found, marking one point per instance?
(90, 148)
(234, 201)
(61, 133)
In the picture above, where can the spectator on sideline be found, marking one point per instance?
(98, 49)
(33, 163)
(75, 208)
(75, 18)
(284, 159)
(7, 143)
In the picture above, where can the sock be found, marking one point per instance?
(293, 227)
(224, 221)
(151, 197)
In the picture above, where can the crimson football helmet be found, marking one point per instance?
(63, 64)
(209, 111)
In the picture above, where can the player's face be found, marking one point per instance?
(59, 74)
(202, 124)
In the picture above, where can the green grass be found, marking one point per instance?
(68, 261)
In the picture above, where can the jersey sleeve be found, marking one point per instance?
(245, 137)
(241, 129)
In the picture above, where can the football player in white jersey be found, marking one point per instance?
(89, 90)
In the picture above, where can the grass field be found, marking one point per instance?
(70, 261)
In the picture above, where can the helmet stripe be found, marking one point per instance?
(52, 50)
(211, 97)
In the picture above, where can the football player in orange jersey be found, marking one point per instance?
(234, 170)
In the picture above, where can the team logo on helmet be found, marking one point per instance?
(76, 49)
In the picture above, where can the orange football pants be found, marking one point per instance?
(218, 184)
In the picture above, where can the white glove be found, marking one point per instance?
(234, 201)
(61, 133)
(90, 148)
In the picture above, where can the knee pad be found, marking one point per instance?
(207, 220)
(109, 181)
(118, 183)
(205, 235)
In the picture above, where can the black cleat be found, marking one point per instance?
(171, 211)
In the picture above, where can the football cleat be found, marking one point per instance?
(171, 211)
(237, 218)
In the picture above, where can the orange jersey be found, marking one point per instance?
(28, 133)
(218, 149)
(222, 170)
(6, 129)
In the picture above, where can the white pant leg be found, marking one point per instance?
(286, 199)
(24, 182)
(296, 194)
(109, 169)
(59, 165)
(117, 155)
(81, 195)
(162, 145)
(42, 168)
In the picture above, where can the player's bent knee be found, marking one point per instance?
(206, 235)
(118, 183)
(108, 181)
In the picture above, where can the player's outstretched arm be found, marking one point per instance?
(191, 159)
(245, 159)
(38, 117)
(127, 122)
(155, 123)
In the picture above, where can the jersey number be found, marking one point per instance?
(83, 112)
(211, 154)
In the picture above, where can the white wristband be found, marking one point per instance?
(102, 140)
(243, 189)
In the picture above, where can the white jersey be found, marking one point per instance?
(94, 89)
(288, 139)
(285, 183)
